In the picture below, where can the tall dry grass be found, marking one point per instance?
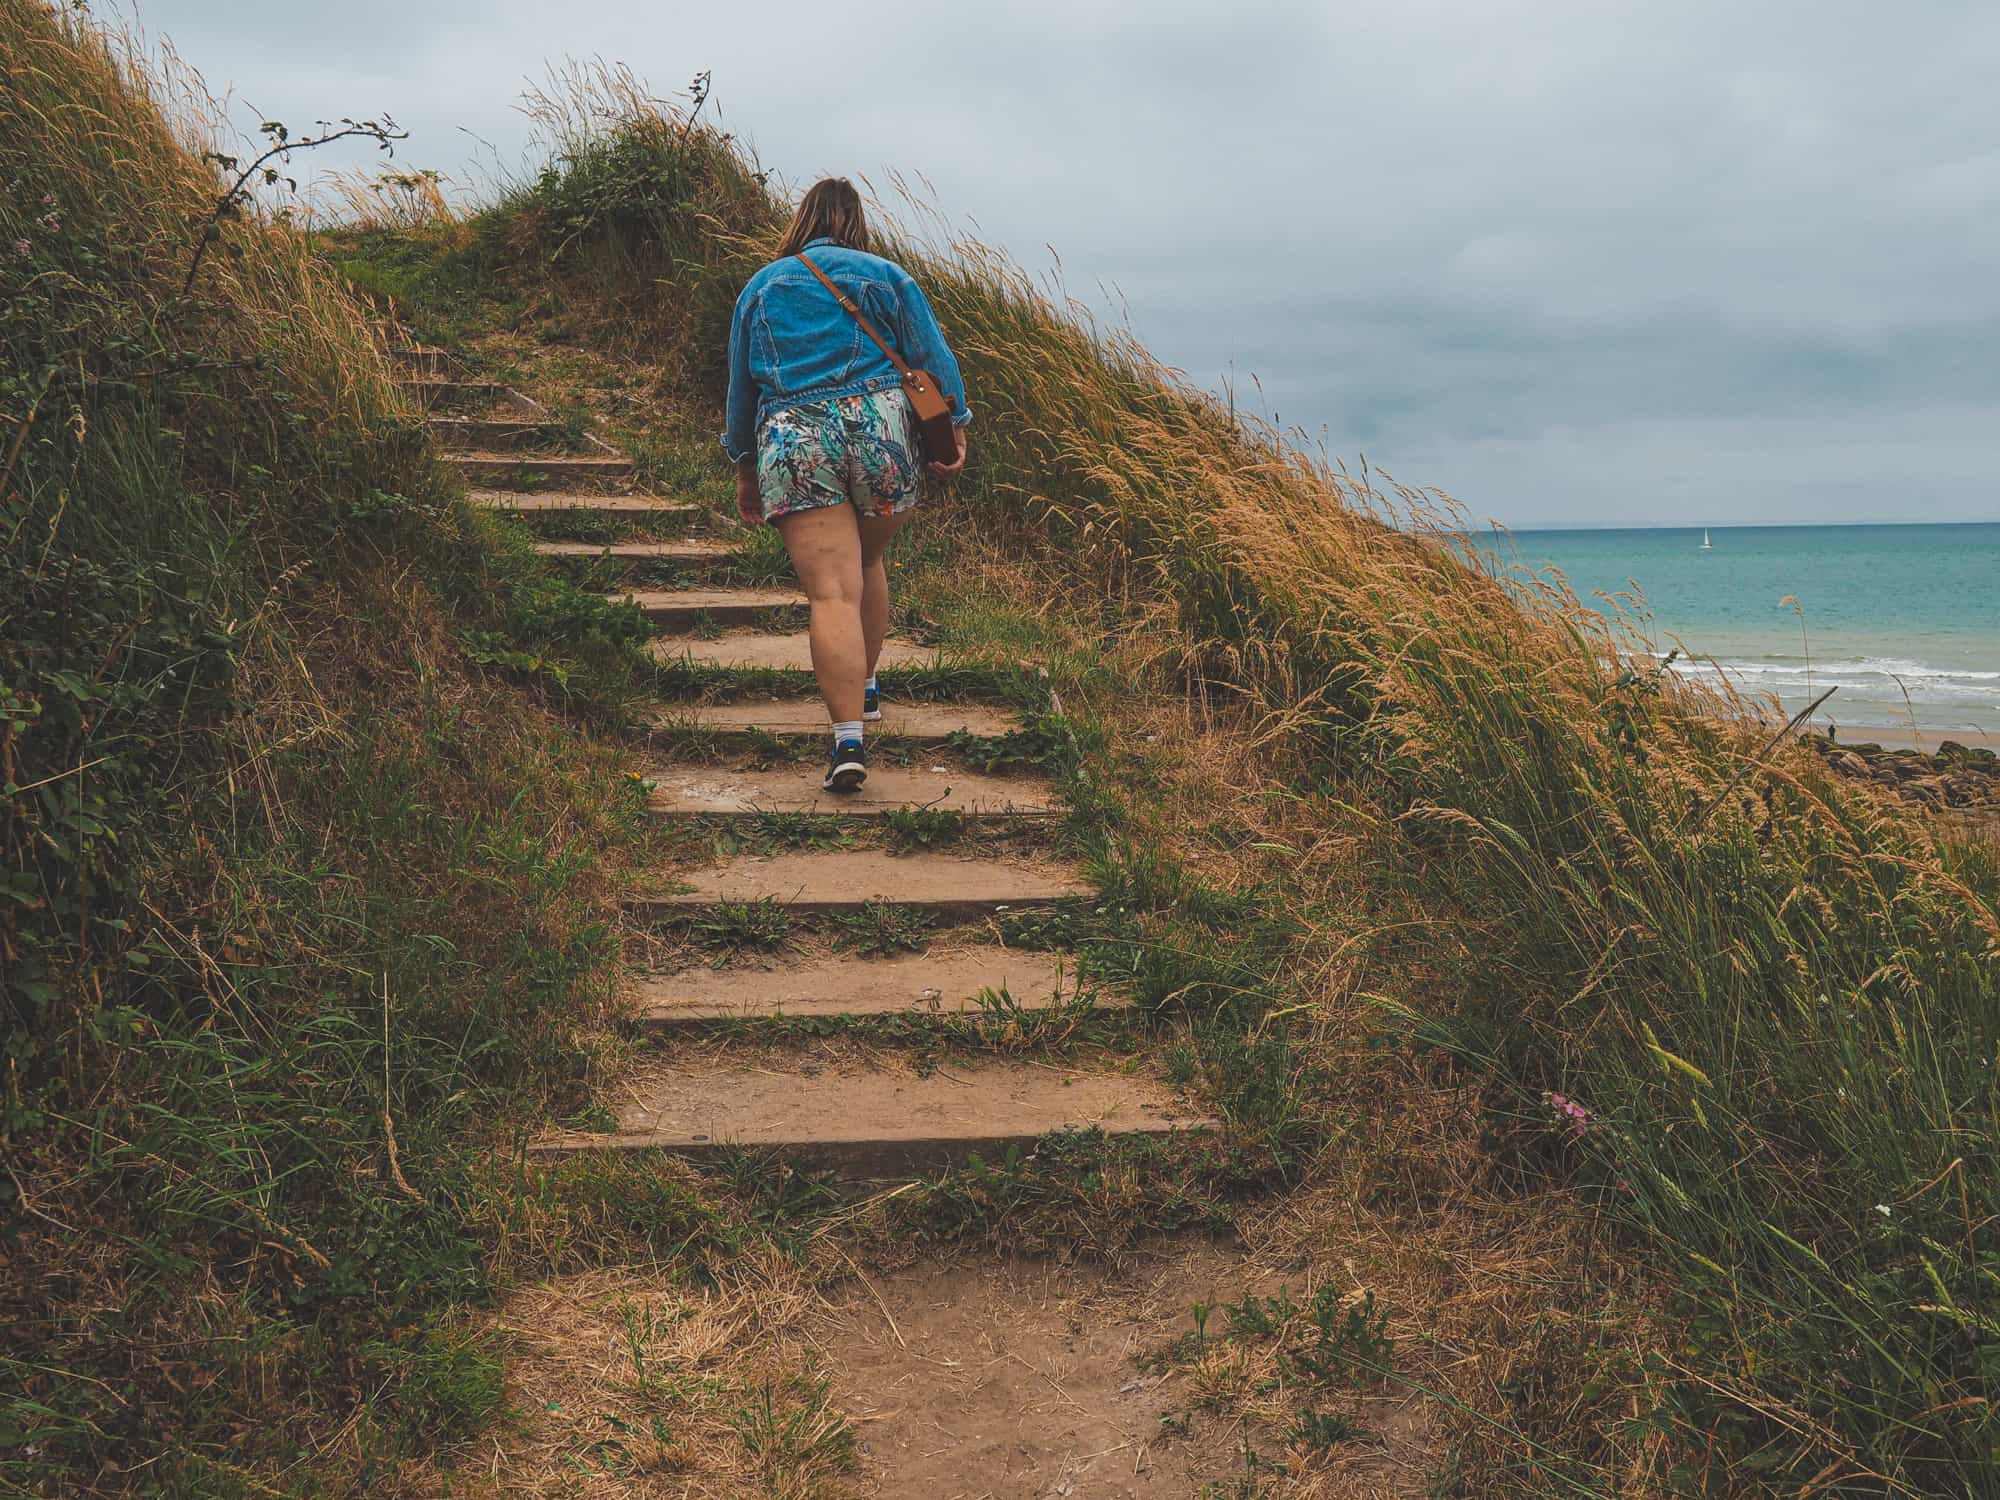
(284, 881)
(386, 201)
(1769, 1003)
(1780, 1022)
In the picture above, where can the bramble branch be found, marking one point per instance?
(384, 132)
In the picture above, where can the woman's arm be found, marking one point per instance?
(739, 440)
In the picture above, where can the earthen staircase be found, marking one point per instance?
(725, 1077)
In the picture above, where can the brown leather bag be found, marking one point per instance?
(931, 405)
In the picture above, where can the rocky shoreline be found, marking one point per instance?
(1952, 775)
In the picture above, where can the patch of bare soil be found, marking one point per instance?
(1018, 1379)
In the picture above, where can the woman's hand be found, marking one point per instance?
(748, 503)
(945, 471)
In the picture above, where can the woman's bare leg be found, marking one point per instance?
(876, 532)
(826, 549)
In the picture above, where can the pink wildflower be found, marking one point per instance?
(1575, 1113)
(23, 249)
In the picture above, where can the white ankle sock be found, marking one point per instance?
(847, 733)
(869, 685)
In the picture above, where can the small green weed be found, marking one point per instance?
(742, 924)
(770, 831)
(908, 829)
(1248, 1486)
(1003, 1022)
(683, 460)
(759, 560)
(790, 1428)
(1047, 743)
(681, 679)
(788, 1205)
(1350, 1338)
(602, 528)
(1056, 929)
(1260, 1317)
(1079, 1190)
(1260, 1085)
(1318, 1432)
(883, 930)
(445, 1381)
(521, 479)
(594, 1119)
(576, 422)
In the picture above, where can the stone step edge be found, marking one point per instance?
(662, 908)
(579, 500)
(994, 720)
(428, 392)
(663, 607)
(690, 551)
(874, 812)
(878, 1158)
(669, 1019)
(530, 411)
(613, 463)
(536, 429)
(721, 655)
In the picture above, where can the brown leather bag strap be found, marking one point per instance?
(866, 327)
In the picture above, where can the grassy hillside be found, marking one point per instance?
(296, 899)
(306, 856)
(1745, 1011)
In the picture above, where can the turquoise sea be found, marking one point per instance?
(1903, 620)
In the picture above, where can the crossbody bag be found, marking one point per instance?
(931, 406)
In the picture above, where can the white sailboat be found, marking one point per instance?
(1706, 544)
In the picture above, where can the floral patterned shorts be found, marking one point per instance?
(861, 450)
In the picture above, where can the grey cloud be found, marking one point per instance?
(1569, 259)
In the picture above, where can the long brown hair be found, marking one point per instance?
(831, 209)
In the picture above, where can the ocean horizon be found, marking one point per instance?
(1902, 620)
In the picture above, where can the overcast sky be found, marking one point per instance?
(1591, 262)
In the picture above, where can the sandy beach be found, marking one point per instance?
(1905, 738)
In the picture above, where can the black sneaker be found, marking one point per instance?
(871, 705)
(848, 768)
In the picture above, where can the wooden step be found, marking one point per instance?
(805, 718)
(922, 986)
(518, 470)
(681, 609)
(698, 792)
(459, 395)
(581, 503)
(420, 359)
(865, 1122)
(785, 653)
(846, 880)
(684, 551)
(505, 433)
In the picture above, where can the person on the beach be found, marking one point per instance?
(824, 441)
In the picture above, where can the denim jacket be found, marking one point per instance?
(791, 343)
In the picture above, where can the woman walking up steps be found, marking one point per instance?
(825, 439)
